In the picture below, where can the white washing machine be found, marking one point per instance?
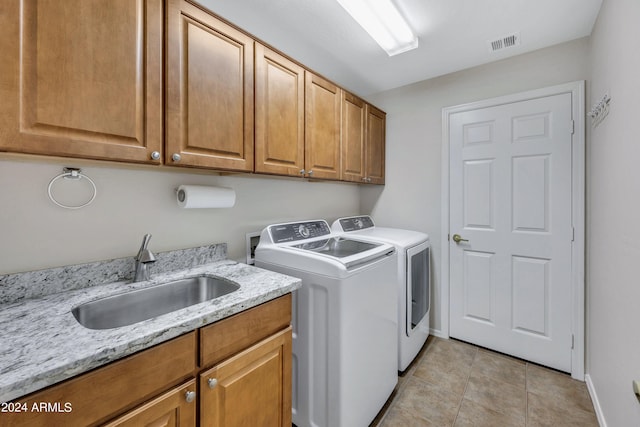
(413, 279)
(344, 321)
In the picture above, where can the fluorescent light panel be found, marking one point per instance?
(383, 22)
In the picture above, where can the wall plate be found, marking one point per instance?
(251, 243)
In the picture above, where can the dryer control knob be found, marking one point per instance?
(304, 231)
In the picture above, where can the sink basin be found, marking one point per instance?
(135, 306)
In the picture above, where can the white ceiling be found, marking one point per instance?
(453, 35)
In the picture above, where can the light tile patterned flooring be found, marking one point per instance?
(452, 383)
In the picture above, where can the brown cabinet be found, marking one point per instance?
(374, 145)
(363, 141)
(322, 128)
(279, 125)
(95, 397)
(209, 91)
(175, 408)
(248, 355)
(251, 388)
(88, 79)
(353, 138)
(297, 119)
(82, 79)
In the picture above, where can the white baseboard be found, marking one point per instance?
(594, 399)
(438, 333)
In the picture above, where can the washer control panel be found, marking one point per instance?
(298, 231)
(356, 223)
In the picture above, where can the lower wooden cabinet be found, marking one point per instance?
(251, 388)
(177, 407)
(97, 396)
(237, 371)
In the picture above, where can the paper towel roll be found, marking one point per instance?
(204, 196)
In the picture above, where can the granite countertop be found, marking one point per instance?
(42, 343)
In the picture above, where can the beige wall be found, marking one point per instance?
(135, 200)
(411, 197)
(613, 206)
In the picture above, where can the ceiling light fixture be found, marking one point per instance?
(383, 22)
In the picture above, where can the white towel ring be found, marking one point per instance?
(72, 173)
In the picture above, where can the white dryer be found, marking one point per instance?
(413, 279)
(344, 321)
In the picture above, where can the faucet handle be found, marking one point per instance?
(144, 254)
(145, 241)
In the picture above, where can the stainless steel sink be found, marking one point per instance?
(135, 306)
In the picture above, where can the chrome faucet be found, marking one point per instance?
(144, 257)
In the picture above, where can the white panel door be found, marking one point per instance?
(510, 200)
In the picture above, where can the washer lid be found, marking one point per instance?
(362, 227)
(337, 247)
(348, 252)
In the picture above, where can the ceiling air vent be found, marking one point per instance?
(504, 42)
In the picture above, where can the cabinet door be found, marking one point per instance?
(99, 394)
(174, 408)
(375, 144)
(322, 128)
(209, 108)
(252, 388)
(82, 78)
(353, 151)
(279, 114)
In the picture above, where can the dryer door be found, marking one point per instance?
(418, 284)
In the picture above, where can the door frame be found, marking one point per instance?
(577, 91)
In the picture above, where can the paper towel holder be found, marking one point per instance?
(180, 194)
(204, 196)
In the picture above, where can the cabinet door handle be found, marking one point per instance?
(302, 171)
(190, 396)
(212, 382)
(176, 157)
(155, 155)
(310, 173)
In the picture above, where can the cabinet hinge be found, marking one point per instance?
(448, 237)
(572, 127)
(573, 234)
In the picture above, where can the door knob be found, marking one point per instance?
(457, 238)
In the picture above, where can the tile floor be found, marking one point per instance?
(452, 383)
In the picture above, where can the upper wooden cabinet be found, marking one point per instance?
(166, 81)
(353, 143)
(363, 141)
(322, 128)
(279, 114)
(82, 78)
(374, 145)
(209, 90)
